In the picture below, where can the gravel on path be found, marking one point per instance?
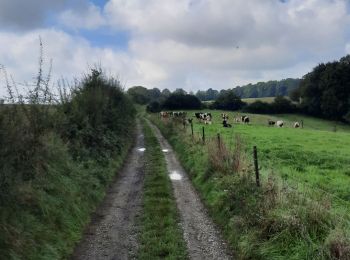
(201, 235)
(112, 233)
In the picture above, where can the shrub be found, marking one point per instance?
(154, 107)
(228, 100)
(182, 101)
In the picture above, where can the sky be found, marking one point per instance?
(189, 44)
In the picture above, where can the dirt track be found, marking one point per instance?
(202, 237)
(112, 233)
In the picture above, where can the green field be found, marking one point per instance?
(314, 155)
(263, 99)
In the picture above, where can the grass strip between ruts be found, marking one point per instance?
(161, 235)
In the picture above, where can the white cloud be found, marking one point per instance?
(88, 18)
(193, 43)
(72, 57)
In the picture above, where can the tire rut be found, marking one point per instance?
(202, 237)
(112, 233)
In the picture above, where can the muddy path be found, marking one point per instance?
(112, 233)
(202, 237)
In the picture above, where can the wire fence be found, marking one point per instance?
(305, 190)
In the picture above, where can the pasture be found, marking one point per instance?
(316, 155)
(262, 99)
(301, 209)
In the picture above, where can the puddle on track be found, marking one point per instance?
(174, 175)
(141, 149)
(165, 150)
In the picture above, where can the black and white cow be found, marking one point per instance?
(245, 119)
(279, 123)
(270, 122)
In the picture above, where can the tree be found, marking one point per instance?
(181, 101)
(154, 107)
(228, 100)
(325, 92)
(166, 92)
(139, 95)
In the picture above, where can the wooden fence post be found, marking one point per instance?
(302, 123)
(203, 136)
(192, 129)
(219, 141)
(256, 166)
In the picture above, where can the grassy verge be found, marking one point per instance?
(276, 221)
(161, 235)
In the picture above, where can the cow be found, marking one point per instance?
(296, 125)
(237, 119)
(198, 115)
(225, 124)
(279, 123)
(207, 118)
(164, 114)
(270, 122)
(203, 117)
(224, 116)
(245, 119)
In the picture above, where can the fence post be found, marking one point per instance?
(219, 142)
(302, 123)
(256, 166)
(192, 129)
(203, 136)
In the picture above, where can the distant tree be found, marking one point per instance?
(166, 92)
(202, 95)
(180, 91)
(258, 107)
(325, 92)
(267, 89)
(211, 94)
(181, 101)
(154, 107)
(228, 100)
(154, 93)
(282, 105)
(139, 95)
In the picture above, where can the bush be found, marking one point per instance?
(228, 100)
(98, 118)
(280, 105)
(182, 101)
(154, 107)
(258, 107)
(56, 159)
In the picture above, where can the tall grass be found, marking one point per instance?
(275, 221)
(57, 154)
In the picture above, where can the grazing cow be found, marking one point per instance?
(225, 124)
(296, 125)
(224, 116)
(270, 122)
(204, 117)
(207, 119)
(279, 123)
(198, 115)
(163, 114)
(245, 119)
(237, 119)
